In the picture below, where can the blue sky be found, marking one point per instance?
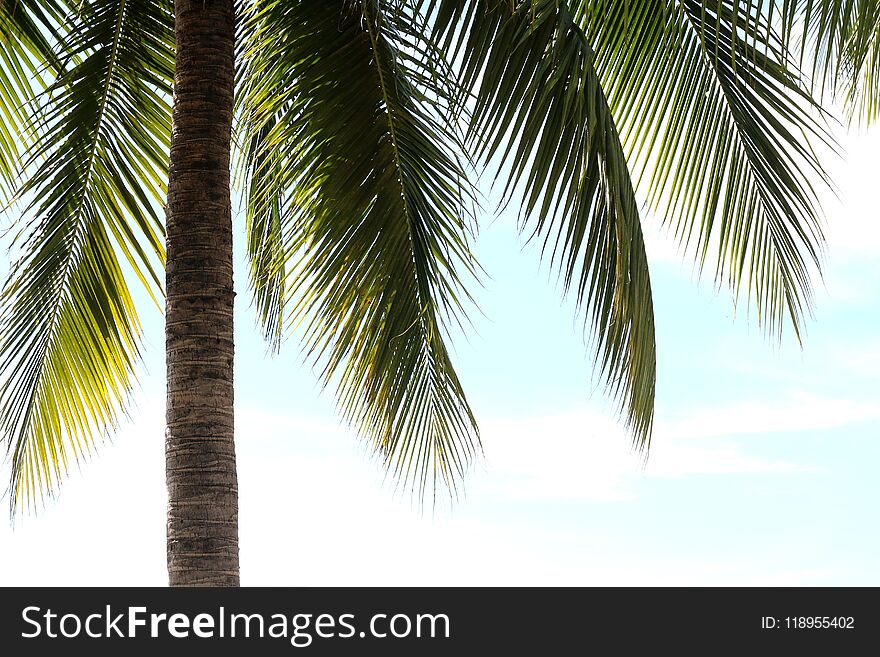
(762, 470)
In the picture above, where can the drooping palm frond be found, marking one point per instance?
(840, 42)
(264, 210)
(862, 64)
(718, 127)
(540, 114)
(358, 219)
(68, 329)
(27, 60)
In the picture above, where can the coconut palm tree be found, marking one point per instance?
(359, 128)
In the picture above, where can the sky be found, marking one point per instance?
(762, 469)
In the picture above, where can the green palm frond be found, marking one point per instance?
(540, 113)
(718, 128)
(69, 331)
(358, 208)
(27, 59)
(862, 63)
(265, 236)
(841, 43)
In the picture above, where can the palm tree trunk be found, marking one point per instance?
(199, 448)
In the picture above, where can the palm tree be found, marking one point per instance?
(358, 127)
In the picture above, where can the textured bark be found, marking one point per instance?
(199, 447)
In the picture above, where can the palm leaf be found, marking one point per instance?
(540, 114)
(98, 165)
(357, 214)
(27, 59)
(719, 129)
(841, 43)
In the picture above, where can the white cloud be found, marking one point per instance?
(586, 455)
(314, 510)
(582, 454)
(860, 358)
(661, 244)
(798, 411)
(107, 525)
(854, 218)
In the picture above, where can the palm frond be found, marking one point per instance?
(841, 43)
(28, 32)
(358, 219)
(69, 332)
(862, 64)
(265, 236)
(719, 128)
(540, 114)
